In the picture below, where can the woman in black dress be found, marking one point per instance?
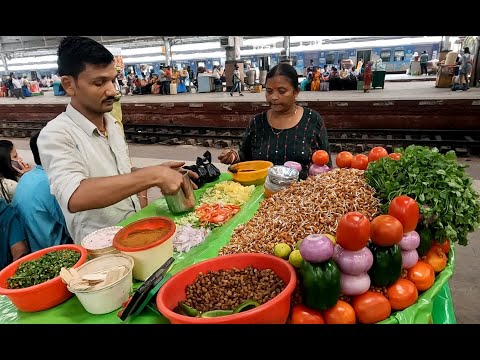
(285, 132)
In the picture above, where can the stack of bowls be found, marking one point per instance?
(100, 242)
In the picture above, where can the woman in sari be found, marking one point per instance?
(367, 76)
(316, 80)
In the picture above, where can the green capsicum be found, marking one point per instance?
(320, 284)
(387, 264)
(426, 240)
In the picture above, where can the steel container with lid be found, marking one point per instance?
(280, 177)
(184, 200)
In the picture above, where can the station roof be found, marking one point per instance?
(23, 46)
(20, 46)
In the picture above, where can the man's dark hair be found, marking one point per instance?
(34, 148)
(74, 52)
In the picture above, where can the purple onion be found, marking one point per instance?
(293, 165)
(353, 262)
(317, 169)
(316, 248)
(410, 241)
(409, 258)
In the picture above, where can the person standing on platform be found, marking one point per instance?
(424, 62)
(83, 150)
(17, 87)
(237, 82)
(367, 76)
(465, 67)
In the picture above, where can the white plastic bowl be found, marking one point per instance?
(100, 242)
(111, 297)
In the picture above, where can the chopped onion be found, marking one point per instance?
(317, 169)
(409, 258)
(353, 262)
(293, 165)
(410, 241)
(187, 237)
(316, 248)
(354, 284)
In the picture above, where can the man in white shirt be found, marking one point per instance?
(83, 150)
(17, 87)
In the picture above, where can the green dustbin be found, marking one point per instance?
(378, 79)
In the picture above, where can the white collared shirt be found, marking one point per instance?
(71, 150)
(16, 83)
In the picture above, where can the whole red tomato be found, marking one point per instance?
(445, 245)
(402, 294)
(353, 231)
(371, 307)
(395, 156)
(422, 275)
(385, 230)
(304, 315)
(360, 162)
(320, 157)
(341, 313)
(377, 153)
(344, 159)
(406, 210)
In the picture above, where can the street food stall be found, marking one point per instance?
(236, 214)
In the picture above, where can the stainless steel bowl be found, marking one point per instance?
(282, 175)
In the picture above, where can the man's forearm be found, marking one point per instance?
(96, 193)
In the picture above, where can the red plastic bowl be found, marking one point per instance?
(274, 311)
(42, 296)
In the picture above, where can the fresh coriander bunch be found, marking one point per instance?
(449, 204)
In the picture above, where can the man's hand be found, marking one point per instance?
(177, 165)
(169, 181)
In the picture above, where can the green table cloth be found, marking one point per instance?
(434, 305)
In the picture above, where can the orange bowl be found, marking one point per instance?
(251, 172)
(149, 252)
(274, 311)
(42, 296)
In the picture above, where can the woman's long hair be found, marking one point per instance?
(6, 169)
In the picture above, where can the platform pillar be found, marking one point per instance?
(232, 54)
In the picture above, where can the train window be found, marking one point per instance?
(399, 55)
(330, 59)
(342, 56)
(385, 55)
